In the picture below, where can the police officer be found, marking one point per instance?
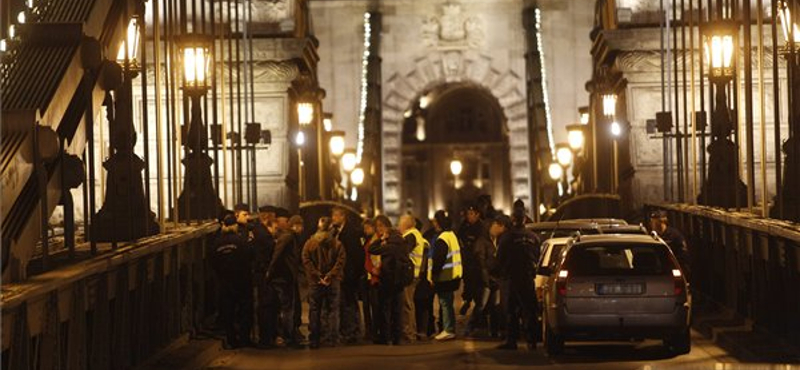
(517, 255)
(468, 233)
(230, 259)
(673, 237)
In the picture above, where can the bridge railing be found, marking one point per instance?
(113, 311)
(747, 264)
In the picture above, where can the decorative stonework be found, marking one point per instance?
(453, 30)
(273, 11)
(448, 67)
(277, 71)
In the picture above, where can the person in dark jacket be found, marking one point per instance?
(468, 233)
(372, 266)
(673, 237)
(517, 255)
(350, 237)
(231, 260)
(488, 301)
(281, 277)
(394, 254)
(263, 245)
(323, 260)
(446, 272)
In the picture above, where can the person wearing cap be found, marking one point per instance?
(488, 302)
(323, 260)
(350, 237)
(230, 259)
(242, 212)
(468, 233)
(672, 237)
(446, 272)
(281, 278)
(517, 255)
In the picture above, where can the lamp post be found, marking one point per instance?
(722, 184)
(125, 214)
(565, 158)
(789, 207)
(300, 141)
(336, 146)
(349, 163)
(576, 139)
(198, 200)
(357, 178)
(616, 132)
(336, 143)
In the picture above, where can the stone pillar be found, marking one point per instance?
(285, 58)
(370, 159)
(539, 145)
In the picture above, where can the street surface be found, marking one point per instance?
(480, 354)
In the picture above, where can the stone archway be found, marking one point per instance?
(441, 67)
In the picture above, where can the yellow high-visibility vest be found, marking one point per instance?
(452, 268)
(417, 253)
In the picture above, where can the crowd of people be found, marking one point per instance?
(374, 281)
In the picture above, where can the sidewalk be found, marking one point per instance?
(739, 338)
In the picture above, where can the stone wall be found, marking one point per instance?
(425, 44)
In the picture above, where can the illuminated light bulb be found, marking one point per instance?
(456, 167)
(555, 171)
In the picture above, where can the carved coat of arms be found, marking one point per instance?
(273, 11)
(452, 29)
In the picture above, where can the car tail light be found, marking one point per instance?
(561, 283)
(677, 278)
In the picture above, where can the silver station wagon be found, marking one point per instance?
(616, 287)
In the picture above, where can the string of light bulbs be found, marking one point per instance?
(540, 46)
(364, 72)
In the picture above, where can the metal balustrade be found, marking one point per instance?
(747, 264)
(112, 311)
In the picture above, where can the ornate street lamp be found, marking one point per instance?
(327, 122)
(564, 155)
(456, 167)
(305, 113)
(349, 160)
(198, 200)
(337, 143)
(357, 176)
(576, 138)
(583, 112)
(609, 105)
(789, 207)
(125, 214)
(721, 184)
(555, 171)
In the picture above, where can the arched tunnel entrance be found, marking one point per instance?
(459, 122)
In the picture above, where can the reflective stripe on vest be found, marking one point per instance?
(452, 268)
(419, 249)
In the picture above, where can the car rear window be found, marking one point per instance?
(619, 259)
(552, 254)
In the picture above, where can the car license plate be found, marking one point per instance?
(619, 289)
